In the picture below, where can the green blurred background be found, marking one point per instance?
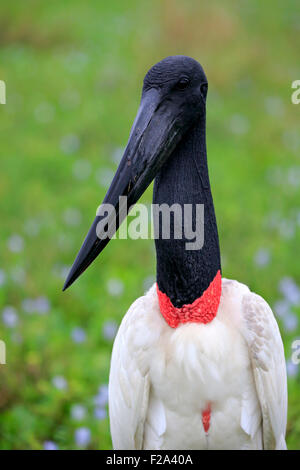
(73, 72)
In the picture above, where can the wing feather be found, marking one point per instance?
(266, 351)
(129, 385)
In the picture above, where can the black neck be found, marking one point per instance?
(185, 274)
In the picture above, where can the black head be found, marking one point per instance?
(173, 98)
(178, 79)
(176, 74)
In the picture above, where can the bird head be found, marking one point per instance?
(173, 98)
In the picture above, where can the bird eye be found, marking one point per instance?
(182, 83)
(203, 89)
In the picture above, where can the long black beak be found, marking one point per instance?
(156, 131)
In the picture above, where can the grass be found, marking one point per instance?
(73, 75)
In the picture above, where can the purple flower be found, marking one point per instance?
(291, 368)
(290, 322)
(109, 330)
(42, 305)
(282, 308)
(78, 335)
(60, 382)
(100, 413)
(78, 412)
(101, 398)
(50, 445)
(262, 257)
(10, 317)
(82, 437)
(290, 290)
(39, 305)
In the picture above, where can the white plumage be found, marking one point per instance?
(214, 382)
(161, 379)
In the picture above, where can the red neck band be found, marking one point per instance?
(202, 310)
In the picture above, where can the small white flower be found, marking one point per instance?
(18, 274)
(72, 217)
(2, 277)
(44, 112)
(69, 144)
(286, 229)
(82, 169)
(291, 139)
(118, 154)
(274, 106)
(70, 99)
(64, 271)
(32, 227)
(15, 243)
(239, 124)
(28, 305)
(115, 287)
(104, 177)
(76, 60)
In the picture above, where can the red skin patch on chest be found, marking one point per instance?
(206, 417)
(202, 310)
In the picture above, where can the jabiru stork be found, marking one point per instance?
(198, 361)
